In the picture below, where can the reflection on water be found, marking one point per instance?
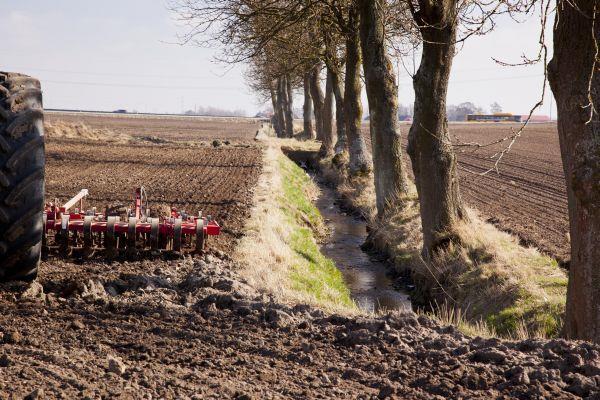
(367, 279)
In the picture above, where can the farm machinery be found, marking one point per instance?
(83, 233)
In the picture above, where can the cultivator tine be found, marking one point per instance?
(110, 239)
(154, 233)
(132, 251)
(88, 241)
(177, 235)
(199, 235)
(63, 238)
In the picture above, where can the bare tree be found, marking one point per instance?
(309, 131)
(328, 139)
(574, 79)
(333, 57)
(360, 162)
(280, 111)
(341, 144)
(495, 108)
(389, 169)
(288, 106)
(318, 99)
(429, 145)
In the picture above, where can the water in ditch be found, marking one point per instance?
(368, 280)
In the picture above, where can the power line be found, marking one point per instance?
(508, 78)
(139, 86)
(113, 74)
(400, 76)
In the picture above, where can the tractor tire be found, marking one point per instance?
(22, 163)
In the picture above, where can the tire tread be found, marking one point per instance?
(21, 176)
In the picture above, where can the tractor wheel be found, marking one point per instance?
(21, 176)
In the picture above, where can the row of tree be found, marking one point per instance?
(292, 43)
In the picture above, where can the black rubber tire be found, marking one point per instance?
(22, 163)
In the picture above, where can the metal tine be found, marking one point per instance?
(177, 235)
(132, 251)
(88, 239)
(199, 235)
(110, 240)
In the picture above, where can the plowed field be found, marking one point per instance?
(176, 128)
(528, 196)
(218, 181)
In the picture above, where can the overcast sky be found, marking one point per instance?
(121, 54)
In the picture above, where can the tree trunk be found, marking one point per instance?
(429, 146)
(289, 108)
(280, 107)
(571, 71)
(328, 139)
(340, 118)
(275, 121)
(388, 163)
(309, 132)
(360, 160)
(318, 100)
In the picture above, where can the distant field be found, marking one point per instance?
(528, 198)
(177, 128)
(216, 180)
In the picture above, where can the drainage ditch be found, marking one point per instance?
(368, 278)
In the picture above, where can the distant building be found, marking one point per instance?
(497, 117)
(537, 118)
(506, 117)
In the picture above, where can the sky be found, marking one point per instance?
(125, 55)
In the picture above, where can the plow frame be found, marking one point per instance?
(90, 231)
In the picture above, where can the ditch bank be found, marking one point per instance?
(300, 246)
(489, 285)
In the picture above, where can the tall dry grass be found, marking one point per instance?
(279, 231)
(488, 282)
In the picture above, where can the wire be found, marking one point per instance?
(112, 74)
(131, 85)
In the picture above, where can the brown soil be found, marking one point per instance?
(528, 196)
(174, 128)
(217, 181)
(193, 329)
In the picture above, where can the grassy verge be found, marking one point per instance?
(280, 251)
(311, 272)
(489, 285)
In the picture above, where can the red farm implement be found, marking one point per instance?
(86, 232)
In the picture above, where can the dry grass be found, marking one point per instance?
(279, 252)
(79, 130)
(490, 284)
(357, 192)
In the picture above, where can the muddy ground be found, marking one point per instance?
(215, 180)
(528, 196)
(193, 329)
